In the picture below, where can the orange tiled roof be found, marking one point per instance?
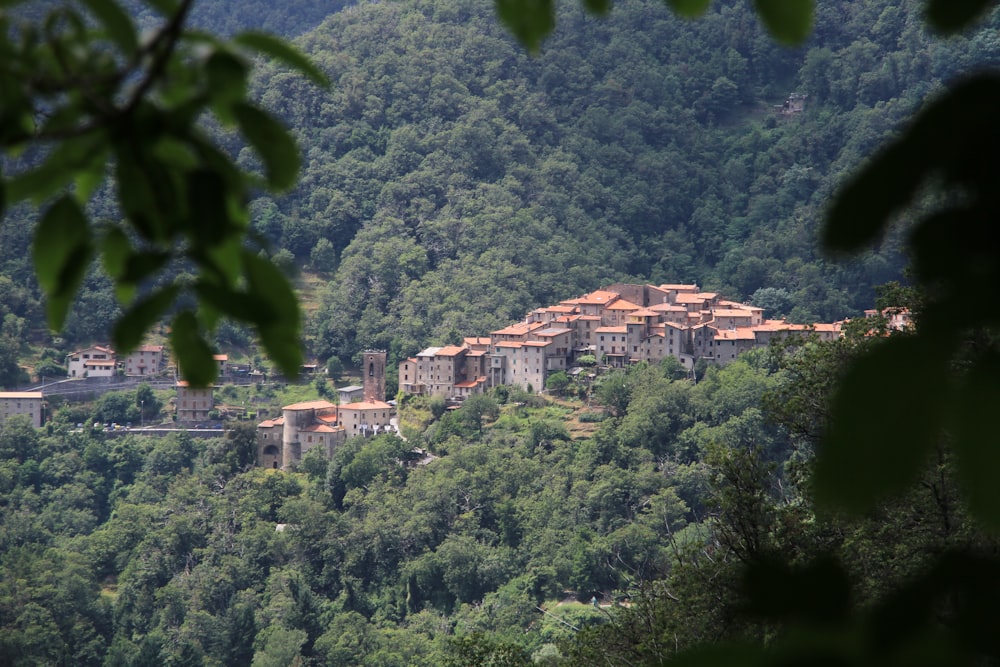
(477, 340)
(622, 304)
(519, 329)
(367, 405)
(611, 330)
(221, 357)
(692, 298)
(309, 405)
(596, 298)
(450, 351)
(319, 428)
(739, 333)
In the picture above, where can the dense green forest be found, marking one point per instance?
(451, 182)
(609, 525)
(461, 182)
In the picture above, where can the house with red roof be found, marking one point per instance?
(193, 403)
(282, 442)
(144, 360)
(94, 361)
(621, 324)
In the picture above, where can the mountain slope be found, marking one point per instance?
(462, 182)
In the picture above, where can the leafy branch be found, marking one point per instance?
(99, 99)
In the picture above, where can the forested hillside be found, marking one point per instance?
(142, 551)
(460, 182)
(608, 527)
(451, 181)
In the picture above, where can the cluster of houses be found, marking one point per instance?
(94, 361)
(98, 361)
(144, 361)
(282, 442)
(618, 325)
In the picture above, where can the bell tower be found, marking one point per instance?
(374, 374)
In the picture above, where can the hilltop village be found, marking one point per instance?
(618, 325)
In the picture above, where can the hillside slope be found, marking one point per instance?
(461, 182)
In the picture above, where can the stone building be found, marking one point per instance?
(94, 361)
(30, 403)
(193, 404)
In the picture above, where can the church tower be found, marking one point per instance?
(374, 374)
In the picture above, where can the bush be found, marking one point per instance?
(437, 405)
(334, 368)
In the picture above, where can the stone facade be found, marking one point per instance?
(621, 324)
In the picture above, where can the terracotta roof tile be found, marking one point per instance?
(622, 304)
(320, 428)
(366, 405)
(596, 298)
(309, 405)
(553, 331)
(739, 333)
